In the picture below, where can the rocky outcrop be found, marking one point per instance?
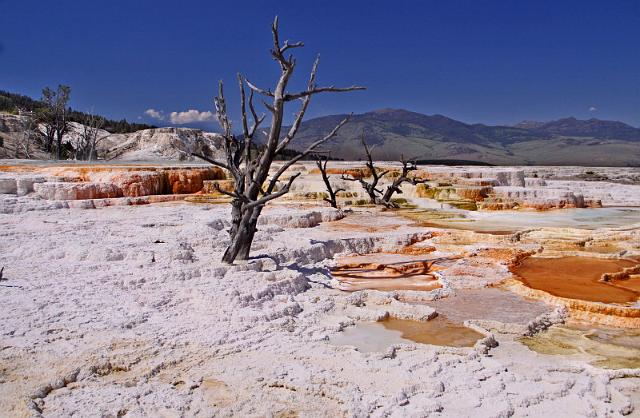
(139, 183)
(159, 144)
(540, 198)
(11, 123)
(484, 176)
(164, 144)
(301, 220)
(211, 186)
(534, 182)
(8, 186)
(76, 191)
(354, 172)
(610, 194)
(114, 182)
(498, 189)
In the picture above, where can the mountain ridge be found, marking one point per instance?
(397, 132)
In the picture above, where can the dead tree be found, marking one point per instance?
(371, 187)
(24, 139)
(85, 146)
(55, 117)
(253, 186)
(407, 167)
(321, 162)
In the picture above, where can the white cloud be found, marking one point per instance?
(593, 109)
(155, 114)
(191, 115)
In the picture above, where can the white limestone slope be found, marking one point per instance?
(164, 144)
(150, 145)
(126, 311)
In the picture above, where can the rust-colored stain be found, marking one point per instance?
(437, 331)
(398, 275)
(579, 278)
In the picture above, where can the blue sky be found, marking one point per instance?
(495, 62)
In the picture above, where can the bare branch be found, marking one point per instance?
(289, 97)
(221, 110)
(258, 89)
(370, 187)
(304, 153)
(224, 192)
(211, 161)
(343, 177)
(243, 109)
(288, 46)
(276, 39)
(394, 187)
(295, 126)
(254, 186)
(321, 162)
(231, 194)
(269, 107)
(305, 104)
(278, 51)
(270, 196)
(257, 120)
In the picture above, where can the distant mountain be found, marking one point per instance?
(379, 124)
(396, 133)
(529, 124)
(594, 128)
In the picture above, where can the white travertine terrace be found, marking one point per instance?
(126, 310)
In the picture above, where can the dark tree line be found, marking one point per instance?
(12, 102)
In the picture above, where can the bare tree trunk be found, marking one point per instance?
(254, 185)
(371, 188)
(23, 139)
(55, 116)
(28, 136)
(322, 166)
(407, 167)
(242, 238)
(61, 130)
(389, 193)
(85, 146)
(49, 134)
(58, 148)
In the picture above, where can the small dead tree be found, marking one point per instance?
(24, 139)
(371, 187)
(253, 186)
(55, 117)
(321, 162)
(86, 145)
(394, 187)
(48, 128)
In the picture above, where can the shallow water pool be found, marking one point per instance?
(379, 336)
(512, 221)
